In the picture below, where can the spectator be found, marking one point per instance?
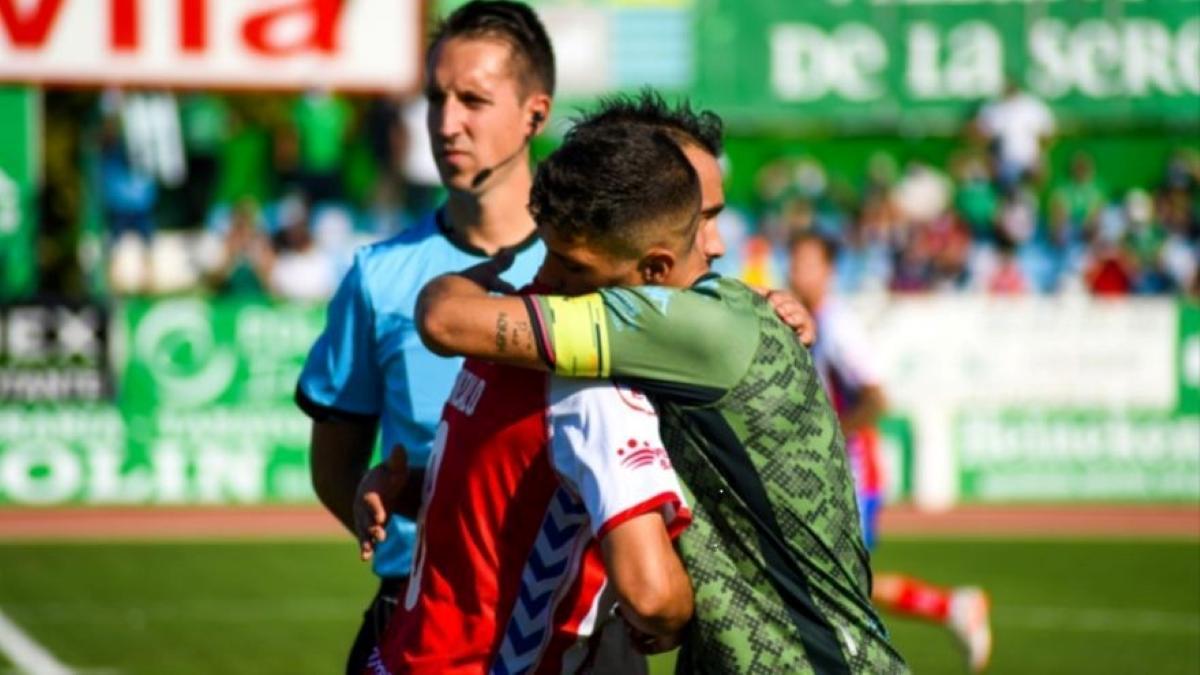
(128, 195)
(1144, 241)
(301, 271)
(244, 265)
(1007, 278)
(976, 200)
(866, 261)
(1108, 271)
(1075, 205)
(205, 121)
(913, 268)
(1018, 216)
(949, 239)
(922, 195)
(1017, 127)
(245, 163)
(322, 123)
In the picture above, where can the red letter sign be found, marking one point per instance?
(323, 17)
(29, 32)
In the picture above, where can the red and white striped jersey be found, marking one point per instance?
(528, 472)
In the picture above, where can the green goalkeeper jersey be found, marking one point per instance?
(775, 554)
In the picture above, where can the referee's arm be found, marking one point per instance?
(339, 453)
(339, 390)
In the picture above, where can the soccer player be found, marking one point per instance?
(548, 499)
(847, 368)
(489, 82)
(774, 552)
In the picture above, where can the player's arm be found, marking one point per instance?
(852, 358)
(605, 446)
(653, 589)
(456, 316)
(866, 411)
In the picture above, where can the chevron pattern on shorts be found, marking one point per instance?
(544, 574)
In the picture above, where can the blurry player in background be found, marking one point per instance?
(489, 83)
(548, 500)
(847, 368)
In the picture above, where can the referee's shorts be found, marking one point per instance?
(374, 623)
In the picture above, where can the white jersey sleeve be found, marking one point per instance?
(605, 446)
(844, 347)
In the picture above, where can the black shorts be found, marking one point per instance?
(374, 624)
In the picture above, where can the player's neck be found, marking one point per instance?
(494, 218)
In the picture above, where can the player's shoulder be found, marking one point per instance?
(586, 398)
(710, 292)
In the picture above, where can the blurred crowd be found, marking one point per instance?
(272, 199)
(993, 220)
(264, 196)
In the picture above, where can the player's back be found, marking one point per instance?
(780, 574)
(775, 507)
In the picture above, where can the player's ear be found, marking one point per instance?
(655, 266)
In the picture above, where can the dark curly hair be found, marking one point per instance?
(511, 22)
(681, 122)
(623, 188)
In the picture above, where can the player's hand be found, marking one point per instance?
(646, 643)
(792, 312)
(487, 273)
(375, 499)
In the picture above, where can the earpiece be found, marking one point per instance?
(536, 120)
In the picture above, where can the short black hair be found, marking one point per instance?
(681, 121)
(828, 247)
(622, 188)
(511, 22)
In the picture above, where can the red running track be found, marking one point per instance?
(291, 522)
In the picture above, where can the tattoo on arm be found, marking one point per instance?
(502, 332)
(521, 336)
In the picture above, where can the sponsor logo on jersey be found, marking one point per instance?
(636, 455)
(635, 399)
(468, 389)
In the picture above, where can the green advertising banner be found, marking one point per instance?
(1187, 357)
(88, 454)
(925, 65)
(20, 158)
(1044, 455)
(204, 413)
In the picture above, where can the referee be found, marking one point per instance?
(489, 83)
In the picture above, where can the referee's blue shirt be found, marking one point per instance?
(369, 362)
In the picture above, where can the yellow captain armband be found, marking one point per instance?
(579, 331)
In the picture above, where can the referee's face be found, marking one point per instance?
(479, 120)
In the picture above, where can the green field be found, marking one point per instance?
(1060, 606)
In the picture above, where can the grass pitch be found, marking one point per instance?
(231, 607)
